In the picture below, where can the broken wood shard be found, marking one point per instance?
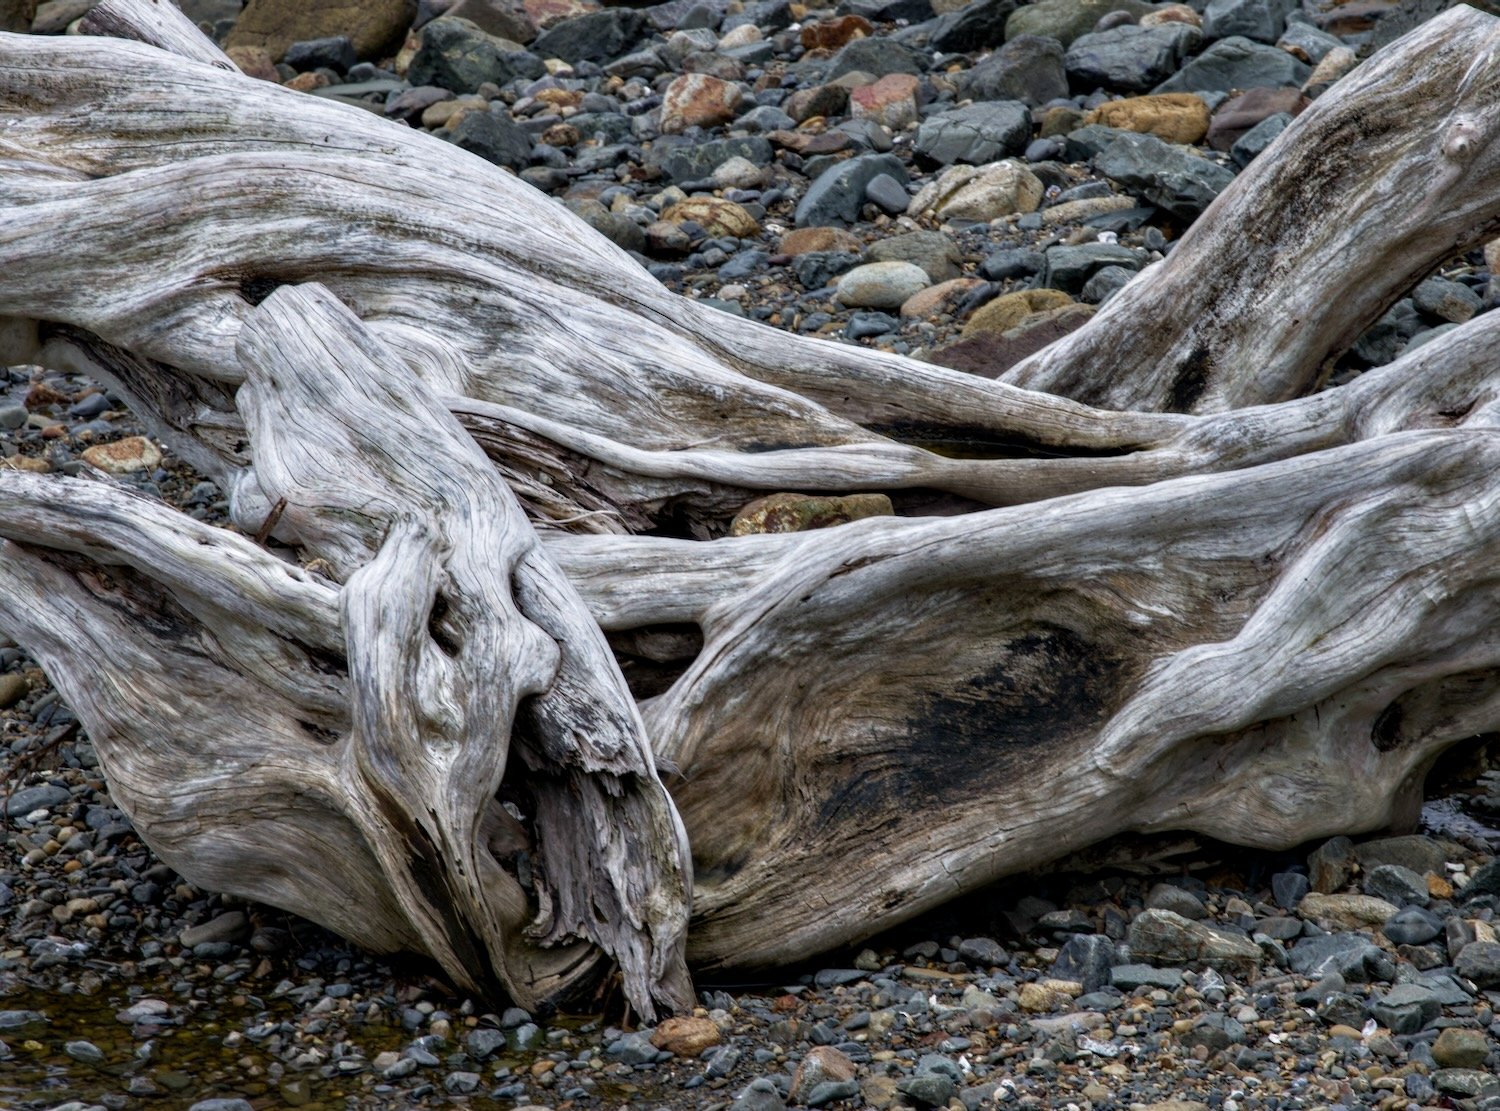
(1190, 595)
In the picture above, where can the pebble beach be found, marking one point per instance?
(963, 183)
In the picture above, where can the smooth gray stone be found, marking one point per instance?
(1087, 959)
(1416, 851)
(1310, 40)
(1445, 986)
(766, 117)
(484, 1042)
(632, 1049)
(1249, 146)
(889, 11)
(1128, 977)
(769, 15)
(1066, 20)
(1406, 1008)
(1288, 888)
(1172, 177)
(595, 37)
(493, 136)
(888, 193)
(87, 1052)
(836, 196)
(1446, 300)
(830, 1090)
(978, 25)
(1236, 63)
(335, 52)
(1397, 885)
(1412, 926)
(876, 56)
(455, 54)
(1012, 262)
(759, 1095)
(1261, 20)
(1089, 141)
(1104, 284)
(1428, 336)
(1479, 961)
(983, 951)
(977, 134)
(1486, 881)
(1028, 68)
(43, 795)
(928, 1089)
(1353, 956)
(1069, 268)
(1129, 58)
(232, 925)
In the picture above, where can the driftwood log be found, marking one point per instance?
(1183, 592)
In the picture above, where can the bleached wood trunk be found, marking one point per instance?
(460, 406)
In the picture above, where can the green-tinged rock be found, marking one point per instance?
(1007, 311)
(1346, 912)
(1162, 937)
(933, 251)
(802, 512)
(1467, 1083)
(13, 688)
(375, 27)
(458, 55)
(1458, 1048)
(1065, 20)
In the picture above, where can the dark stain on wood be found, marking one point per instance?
(318, 733)
(1045, 688)
(428, 870)
(440, 629)
(1385, 731)
(256, 290)
(1191, 380)
(721, 870)
(956, 441)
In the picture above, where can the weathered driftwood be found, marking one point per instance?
(159, 23)
(464, 643)
(399, 697)
(1378, 184)
(1261, 624)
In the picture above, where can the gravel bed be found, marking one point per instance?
(961, 183)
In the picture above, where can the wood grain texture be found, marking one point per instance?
(896, 712)
(158, 23)
(467, 648)
(1258, 617)
(1390, 172)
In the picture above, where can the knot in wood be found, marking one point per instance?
(1462, 141)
